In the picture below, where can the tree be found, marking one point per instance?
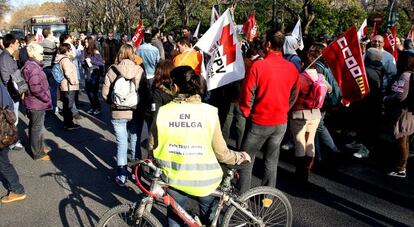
(155, 10)
(24, 13)
(4, 6)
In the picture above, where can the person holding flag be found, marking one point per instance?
(188, 56)
(289, 51)
(388, 61)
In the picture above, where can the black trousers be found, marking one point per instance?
(68, 99)
(36, 125)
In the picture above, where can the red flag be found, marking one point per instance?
(374, 31)
(138, 35)
(344, 58)
(411, 33)
(390, 41)
(250, 28)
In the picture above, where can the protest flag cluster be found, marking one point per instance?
(222, 56)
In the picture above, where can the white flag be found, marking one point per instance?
(297, 33)
(214, 16)
(39, 36)
(362, 32)
(222, 53)
(195, 34)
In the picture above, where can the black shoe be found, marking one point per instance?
(72, 127)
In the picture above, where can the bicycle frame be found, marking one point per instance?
(158, 191)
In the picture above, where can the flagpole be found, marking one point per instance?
(313, 62)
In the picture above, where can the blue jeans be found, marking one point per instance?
(256, 137)
(207, 206)
(122, 129)
(323, 137)
(9, 172)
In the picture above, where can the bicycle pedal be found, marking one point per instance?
(266, 202)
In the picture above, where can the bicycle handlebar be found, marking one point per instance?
(145, 162)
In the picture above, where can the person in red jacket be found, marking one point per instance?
(269, 90)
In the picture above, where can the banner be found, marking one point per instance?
(250, 28)
(344, 58)
(297, 33)
(363, 32)
(214, 15)
(138, 35)
(390, 41)
(374, 31)
(222, 56)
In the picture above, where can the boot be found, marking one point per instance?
(300, 169)
(308, 163)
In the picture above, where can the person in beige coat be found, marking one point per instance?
(69, 85)
(123, 120)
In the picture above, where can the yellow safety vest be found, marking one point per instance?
(184, 150)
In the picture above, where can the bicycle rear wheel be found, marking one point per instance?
(124, 216)
(266, 204)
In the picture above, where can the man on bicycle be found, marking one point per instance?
(187, 144)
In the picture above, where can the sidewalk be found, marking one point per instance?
(77, 186)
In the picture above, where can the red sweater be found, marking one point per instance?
(269, 89)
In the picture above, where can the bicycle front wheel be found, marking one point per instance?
(266, 204)
(124, 216)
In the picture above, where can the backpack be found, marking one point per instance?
(57, 72)
(332, 99)
(124, 92)
(8, 131)
(317, 91)
(18, 82)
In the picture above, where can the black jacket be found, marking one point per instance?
(161, 96)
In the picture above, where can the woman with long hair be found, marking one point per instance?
(122, 119)
(93, 63)
(162, 86)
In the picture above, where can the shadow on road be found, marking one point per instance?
(286, 182)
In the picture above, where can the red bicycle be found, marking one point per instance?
(260, 206)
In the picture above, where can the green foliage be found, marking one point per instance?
(334, 21)
(404, 24)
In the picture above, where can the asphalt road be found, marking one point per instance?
(77, 186)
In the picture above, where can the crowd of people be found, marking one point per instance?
(284, 99)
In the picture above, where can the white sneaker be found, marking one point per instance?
(401, 174)
(363, 152)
